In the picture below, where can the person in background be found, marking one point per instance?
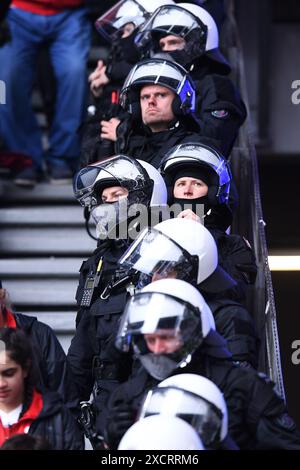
(63, 25)
(26, 408)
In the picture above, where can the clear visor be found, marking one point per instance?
(148, 313)
(168, 20)
(175, 323)
(194, 153)
(117, 171)
(156, 255)
(203, 416)
(158, 72)
(125, 11)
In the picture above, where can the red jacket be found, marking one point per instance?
(46, 7)
(23, 425)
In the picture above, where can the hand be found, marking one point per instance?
(121, 417)
(109, 129)
(98, 79)
(97, 72)
(189, 214)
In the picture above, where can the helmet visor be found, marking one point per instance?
(168, 20)
(198, 154)
(202, 415)
(118, 171)
(157, 255)
(125, 11)
(160, 72)
(160, 314)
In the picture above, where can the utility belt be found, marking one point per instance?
(103, 370)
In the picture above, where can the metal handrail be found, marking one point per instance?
(249, 220)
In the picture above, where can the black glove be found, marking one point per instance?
(121, 417)
(4, 33)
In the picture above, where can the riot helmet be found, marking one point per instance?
(202, 161)
(124, 12)
(162, 72)
(179, 248)
(142, 183)
(190, 22)
(171, 312)
(193, 398)
(161, 433)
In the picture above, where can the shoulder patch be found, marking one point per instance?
(220, 113)
(286, 422)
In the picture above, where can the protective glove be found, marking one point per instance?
(121, 417)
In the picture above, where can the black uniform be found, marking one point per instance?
(219, 109)
(258, 418)
(92, 355)
(138, 141)
(237, 258)
(122, 57)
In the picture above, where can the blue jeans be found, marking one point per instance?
(67, 36)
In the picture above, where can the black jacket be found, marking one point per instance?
(56, 424)
(92, 354)
(140, 142)
(53, 371)
(238, 260)
(220, 110)
(258, 418)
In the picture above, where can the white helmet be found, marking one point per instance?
(159, 71)
(195, 399)
(143, 181)
(181, 246)
(161, 433)
(126, 11)
(167, 307)
(202, 158)
(146, 188)
(188, 21)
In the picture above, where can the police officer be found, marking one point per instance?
(185, 249)
(188, 34)
(172, 332)
(196, 174)
(118, 26)
(111, 190)
(160, 97)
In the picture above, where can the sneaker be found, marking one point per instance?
(27, 177)
(60, 174)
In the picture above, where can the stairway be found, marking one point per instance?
(42, 245)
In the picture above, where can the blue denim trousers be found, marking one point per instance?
(67, 36)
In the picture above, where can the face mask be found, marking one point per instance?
(194, 205)
(159, 366)
(111, 220)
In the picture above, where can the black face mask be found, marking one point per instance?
(128, 50)
(193, 203)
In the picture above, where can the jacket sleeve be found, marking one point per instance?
(55, 371)
(220, 110)
(72, 437)
(274, 428)
(80, 358)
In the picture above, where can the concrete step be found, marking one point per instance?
(41, 193)
(40, 268)
(42, 292)
(46, 242)
(39, 215)
(61, 322)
